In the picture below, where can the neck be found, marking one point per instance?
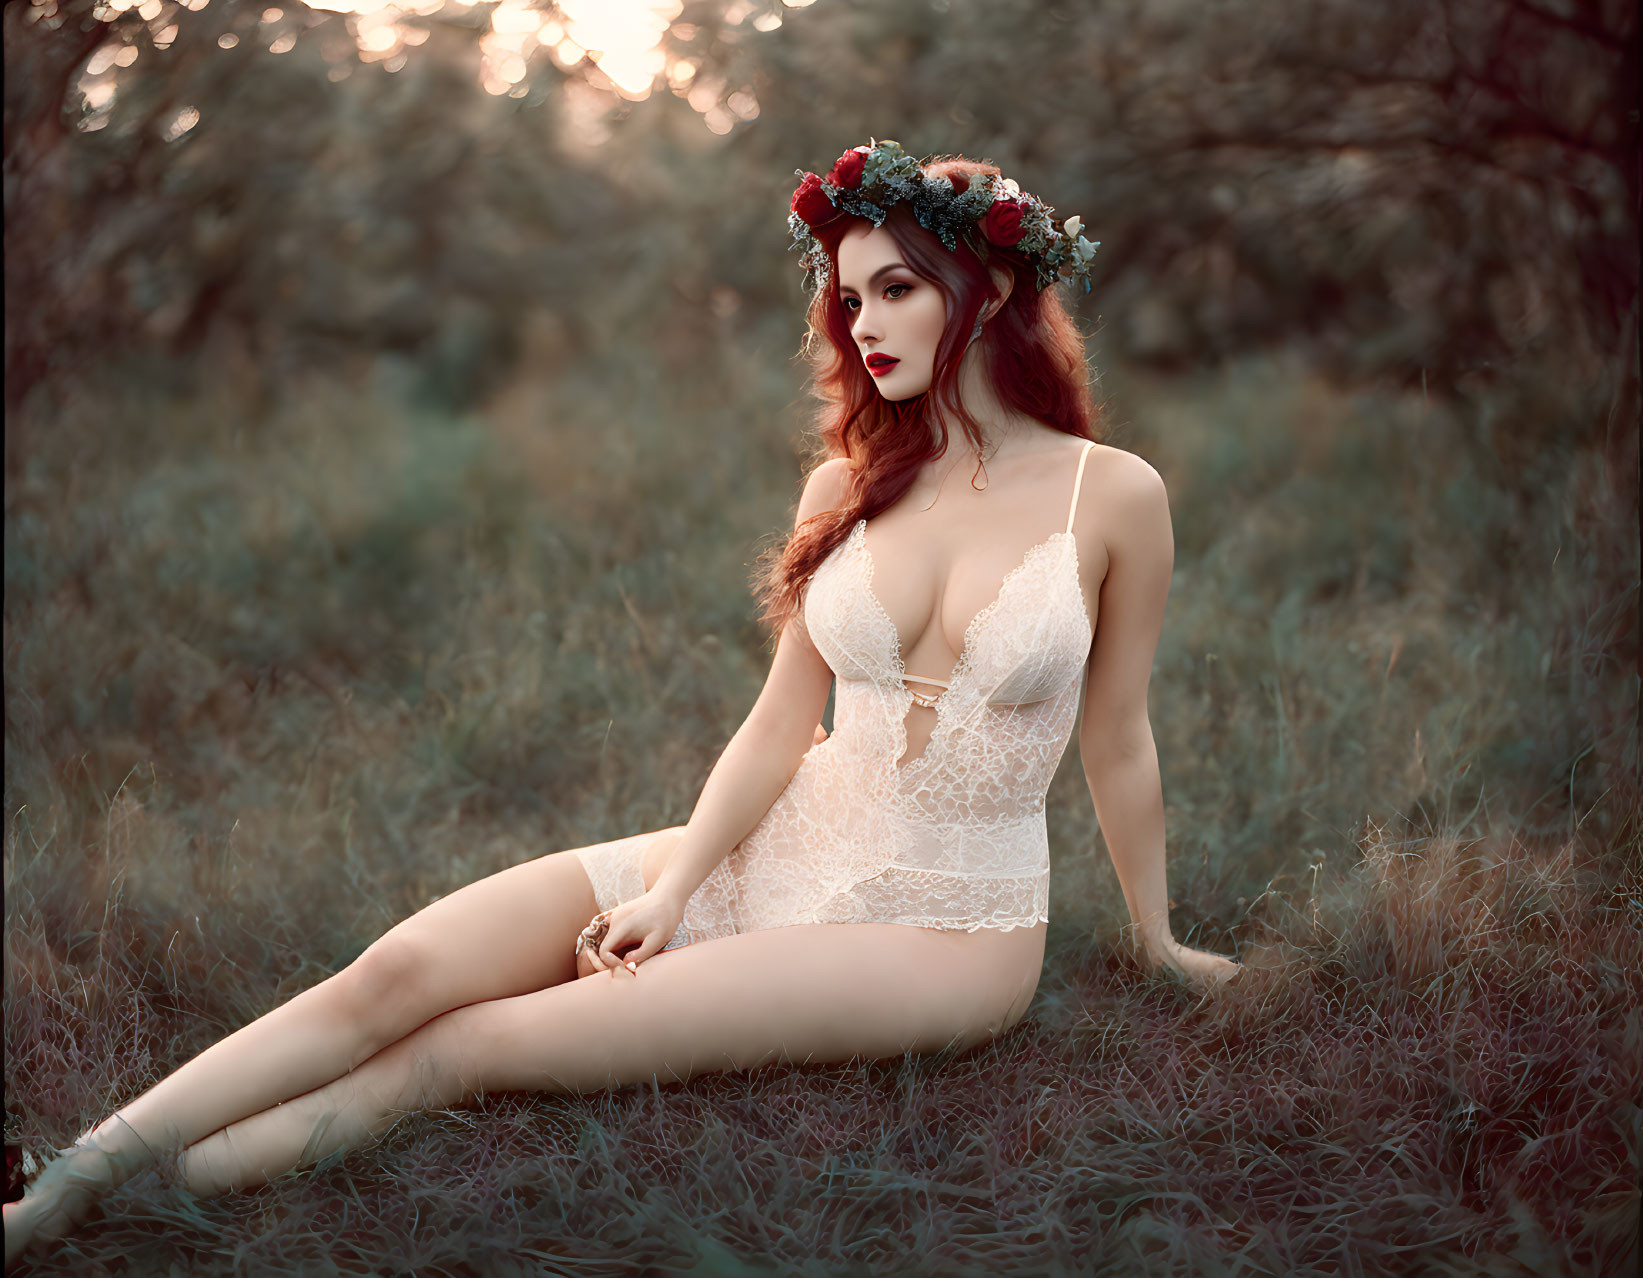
(1002, 431)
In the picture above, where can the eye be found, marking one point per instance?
(908, 288)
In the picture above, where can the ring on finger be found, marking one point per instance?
(594, 932)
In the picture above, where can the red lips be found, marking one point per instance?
(881, 363)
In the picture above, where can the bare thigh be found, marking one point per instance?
(510, 933)
(815, 992)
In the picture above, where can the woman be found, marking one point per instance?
(879, 891)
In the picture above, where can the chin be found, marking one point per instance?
(896, 394)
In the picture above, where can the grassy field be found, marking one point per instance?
(276, 680)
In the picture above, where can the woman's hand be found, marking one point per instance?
(1201, 969)
(638, 929)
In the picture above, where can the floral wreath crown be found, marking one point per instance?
(987, 210)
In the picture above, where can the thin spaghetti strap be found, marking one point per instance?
(1078, 483)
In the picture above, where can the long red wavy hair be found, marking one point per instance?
(1033, 354)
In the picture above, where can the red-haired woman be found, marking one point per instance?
(877, 891)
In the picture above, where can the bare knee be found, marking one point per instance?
(388, 988)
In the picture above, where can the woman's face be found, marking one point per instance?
(891, 311)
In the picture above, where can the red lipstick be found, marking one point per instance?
(878, 365)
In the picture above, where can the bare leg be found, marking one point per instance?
(504, 935)
(812, 992)
(318, 1035)
(344, 1114)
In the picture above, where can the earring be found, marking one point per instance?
(976, 331)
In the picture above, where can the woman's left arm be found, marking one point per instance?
(1115, 735)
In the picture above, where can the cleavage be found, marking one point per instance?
(920, 721)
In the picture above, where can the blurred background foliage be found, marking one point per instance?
(1415, 194)
(397, 400)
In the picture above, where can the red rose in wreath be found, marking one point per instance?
(1002, 223)
(811, 203)
(846, 171)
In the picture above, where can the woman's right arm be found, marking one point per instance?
(770, 745)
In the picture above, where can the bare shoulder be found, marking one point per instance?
(1122, 501)
(824, 488)
(1123, 478)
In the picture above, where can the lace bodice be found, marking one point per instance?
(955, 837)
(1021, 655)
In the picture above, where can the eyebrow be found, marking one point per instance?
(883, 270)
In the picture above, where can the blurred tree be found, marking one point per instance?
(1416, 192)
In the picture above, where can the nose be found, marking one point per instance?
(865, 325)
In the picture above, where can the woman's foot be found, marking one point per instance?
(60, 1198)
(19, 1226)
